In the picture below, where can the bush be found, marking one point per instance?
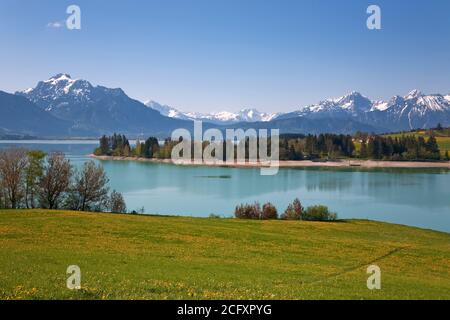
(319, 213)
(294, 211)
(248, 211)
(269, 212)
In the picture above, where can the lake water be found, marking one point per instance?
(406, 196)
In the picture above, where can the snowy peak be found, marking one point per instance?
(355, 104)
(165, 110)
(413, 94)
(350, 104)
(352, 96)
(59, 86)
(253, 115)
(60, 77)
(415, 110)
(222, 117)
(355, 101)
(380, 106)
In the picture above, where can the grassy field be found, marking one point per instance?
(148, 257)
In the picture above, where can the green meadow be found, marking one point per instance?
(155, 257)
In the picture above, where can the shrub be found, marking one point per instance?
(294, 211)
(248, 211)
(319, 213)
(269, 212)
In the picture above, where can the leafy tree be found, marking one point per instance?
(151, 147)
(138, 149)
(363, 150)
(319, 213)
(104, 145)
(432, 147)
(33, 175)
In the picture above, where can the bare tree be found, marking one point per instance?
(55, 181)
(3, 202)
(12, 172)
(117, 203)
(90, 190)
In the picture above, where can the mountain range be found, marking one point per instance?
(220, 118)
(414, 111)
(66, 107)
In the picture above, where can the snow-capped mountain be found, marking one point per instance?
(351, 104)
(416, 110)
(222, 118)
(413, 111)
(166, 110)
(49, 94)
(97, 110)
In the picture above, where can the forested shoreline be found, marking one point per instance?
(362, 146)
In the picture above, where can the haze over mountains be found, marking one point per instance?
(65, 107)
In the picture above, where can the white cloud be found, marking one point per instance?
(56, 24)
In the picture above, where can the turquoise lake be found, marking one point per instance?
(407, 196)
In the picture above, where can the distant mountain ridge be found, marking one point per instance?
(223, 117)
(66, 107)
(414, 111)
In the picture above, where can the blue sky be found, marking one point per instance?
(211, 55)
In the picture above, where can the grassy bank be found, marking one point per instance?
(147, 257)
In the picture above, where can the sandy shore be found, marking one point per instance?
(296, 164)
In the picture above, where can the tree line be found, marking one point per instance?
(34, 179)
(406, 147)
(298, 147)
(310, 147)
(119, 145)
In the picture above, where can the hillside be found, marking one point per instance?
(19, 116)
(150, 257)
